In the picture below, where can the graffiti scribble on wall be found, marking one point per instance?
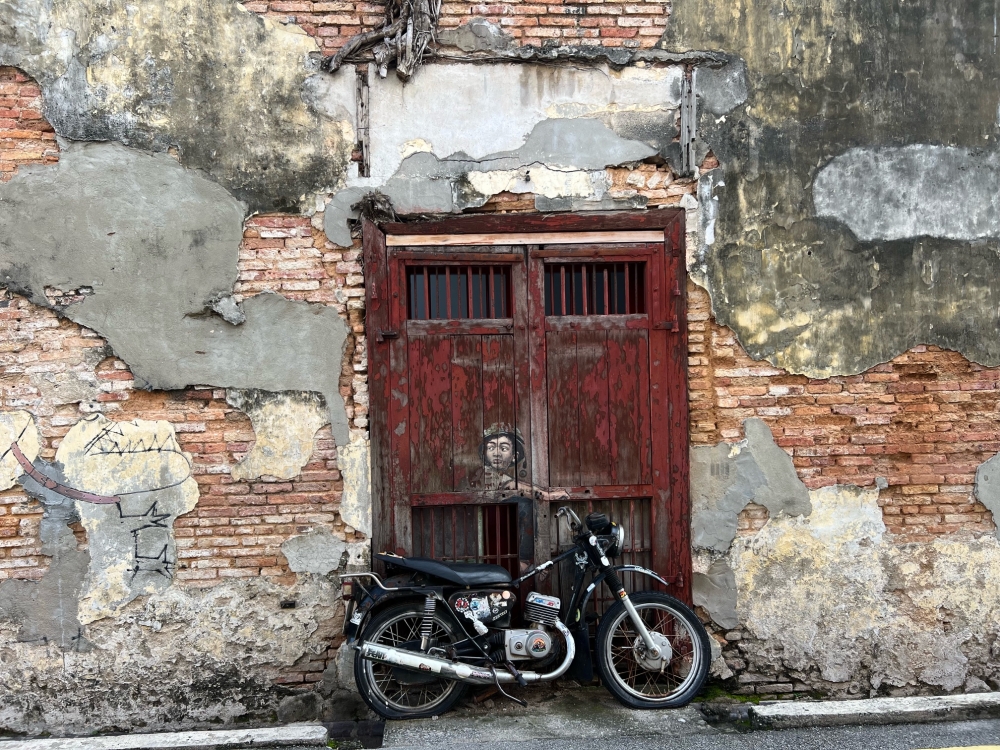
(130, 481)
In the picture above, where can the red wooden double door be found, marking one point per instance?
(534, 357)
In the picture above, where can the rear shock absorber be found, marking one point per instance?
(427, 624)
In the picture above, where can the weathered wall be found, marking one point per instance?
(868, 486)
(853, 209)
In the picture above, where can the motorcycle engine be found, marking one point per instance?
(491, 607)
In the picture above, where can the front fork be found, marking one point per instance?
(600, 561)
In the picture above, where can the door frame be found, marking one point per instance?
(672, 540)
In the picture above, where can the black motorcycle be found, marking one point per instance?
(432, 628)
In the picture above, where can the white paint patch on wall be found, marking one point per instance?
(354, 462)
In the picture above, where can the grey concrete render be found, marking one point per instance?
(793, 714)
(988, 487)
(293, 735)
(897, 193)
(211, 96)
(158, 245)
(728, 476)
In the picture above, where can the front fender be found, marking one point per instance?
(619, 568)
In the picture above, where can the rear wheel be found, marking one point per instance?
(396, 693)
(628, 671)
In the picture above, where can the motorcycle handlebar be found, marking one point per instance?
(574, 519)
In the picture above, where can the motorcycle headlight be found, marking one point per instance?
(617, 539)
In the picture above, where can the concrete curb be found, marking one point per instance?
(293, 735)
(798, 714)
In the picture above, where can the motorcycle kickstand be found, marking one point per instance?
(517, 676)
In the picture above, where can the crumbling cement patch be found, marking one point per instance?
(159, 244)
(828, 85)
(182, 658)
(284, 426)
(320, 552)
(157, 74)
(904, 616)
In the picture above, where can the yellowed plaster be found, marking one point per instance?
(19, 426)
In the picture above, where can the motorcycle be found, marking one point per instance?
(427, 632)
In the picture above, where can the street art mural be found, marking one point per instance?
(128, 480)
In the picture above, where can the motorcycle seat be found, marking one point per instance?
(460, 574)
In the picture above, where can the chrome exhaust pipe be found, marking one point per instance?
(454, 670)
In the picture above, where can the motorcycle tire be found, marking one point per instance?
(395, 693)
(635, 679)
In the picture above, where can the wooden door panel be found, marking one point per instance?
(595, 427)
(563, 408)
(498, 381)
(430, 414)
(628, 385)
(467, 410)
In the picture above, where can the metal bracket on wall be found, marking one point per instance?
(689, 126)
(362, 150)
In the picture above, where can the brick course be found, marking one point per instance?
(924, 421)
(593, 22)
(25, 136)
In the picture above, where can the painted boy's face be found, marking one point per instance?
(499, 452)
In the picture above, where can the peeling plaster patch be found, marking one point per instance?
(16, 426)
(354, 462)
(715, 591)
(131, 543)
(158, 243)
(228, 309)
(225, 645)
(415, 146)
(896, 193)
(318, 552)
(478, 35)
(561, 158)
(494, 108)
(988, 487)
(284, 426)
(903, 615)
(728, 476)
(243, 105)
(551, 183)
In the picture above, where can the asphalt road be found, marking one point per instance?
(900, 737)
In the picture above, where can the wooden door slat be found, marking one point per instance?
(563, 408)
(430, 414)
(628, 374)
(467, 411)
(594, 436)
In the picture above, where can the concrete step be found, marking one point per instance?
(293, 735)
(797, 714)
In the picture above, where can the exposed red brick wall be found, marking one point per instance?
(290, 255)
(609, 24)
(25, 136)
(923, 421)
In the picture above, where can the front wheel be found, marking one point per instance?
(625, 666)
(396, 693)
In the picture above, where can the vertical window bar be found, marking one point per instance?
(447, 294)
(562, 288)
(628, 297)
(468, 272)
